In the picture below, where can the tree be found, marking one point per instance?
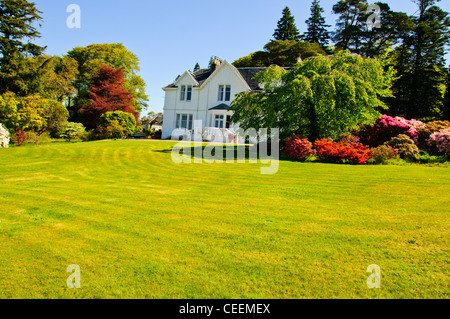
(317, 28)
(107, 93)
(282, 53)
(420, 63)
(196, 67)
(17, 28)
(73, 131)
(286, 28)
(115, 55)
(322, 97)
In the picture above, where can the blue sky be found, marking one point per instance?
(169, 37)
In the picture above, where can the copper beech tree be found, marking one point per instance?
(107, 93)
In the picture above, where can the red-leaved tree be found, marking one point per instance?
(107, 93)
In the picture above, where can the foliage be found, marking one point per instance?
(383, 153)
(19, 137)
(4, 137)
(282, 53)
(112, 130)
(387, 127)
(322, 97)
(286, 28)
(107, 93)
(338, 152)
(441, 140)
(353, 33)
(115, 55)
(317, 28)
(73, 131)
(420, 62)
(298, 148)
(18, 21)
(405, 146)
(34, 138)
(126, 120)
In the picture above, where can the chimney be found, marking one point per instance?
(217, 62)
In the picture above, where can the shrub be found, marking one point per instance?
(126, 120)
(441, 140)
(112, 131)
(157, 135)
(424, 134)
(387, 127)
(4, 137)
(340, 152)
(20, 137)
(73, 131)
(298, 148)
(383, 153)
(37, 139)
(405, 146)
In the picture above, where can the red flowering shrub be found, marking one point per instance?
(298, 148)
(328, 151)
(20, 137)
(387, 127)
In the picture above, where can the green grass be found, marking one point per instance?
(140, 226)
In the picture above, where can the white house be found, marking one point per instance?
(205, 95)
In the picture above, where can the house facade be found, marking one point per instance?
(205, 95)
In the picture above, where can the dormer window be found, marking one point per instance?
(224, 93)
(186, 93)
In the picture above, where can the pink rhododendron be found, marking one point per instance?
(441, 140)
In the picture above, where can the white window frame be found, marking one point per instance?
(224, 90)
(189, 121)
(219, 119)
(186, 93)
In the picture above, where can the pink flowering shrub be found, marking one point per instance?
(386, 127)
(441, 140)
(298, 148)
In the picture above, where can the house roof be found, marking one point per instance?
(222, 106)
(247, 74)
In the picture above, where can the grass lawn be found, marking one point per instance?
(140, 226)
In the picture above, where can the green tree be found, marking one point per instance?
(317, 28)
(420, 63)
(17, 27)
(92, 57)
(323, 97)
(282, 53)
(286, 28)
(126, 120)
(196, 67)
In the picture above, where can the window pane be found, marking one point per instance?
(183, 92)
(228, 93)
(184, 121)
(220, 93)
(190, 122)
(189, 93)
(178, 120)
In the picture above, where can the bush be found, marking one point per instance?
(157, 135)
(126, 120)
(424, 134)
(73, 131)
(37, 139)
(340, 152)
(298, 148)
(441, 140)
(112, 131)
(4, 137)
(387, 127)
(383, 153)
(405, 146)
(19, 138)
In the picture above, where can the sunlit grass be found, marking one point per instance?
(140, 226)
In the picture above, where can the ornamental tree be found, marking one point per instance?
(322, 97)
(107, 93)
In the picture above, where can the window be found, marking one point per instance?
(218, 123)
(224, 93)
(186, 93)
(184, 121)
